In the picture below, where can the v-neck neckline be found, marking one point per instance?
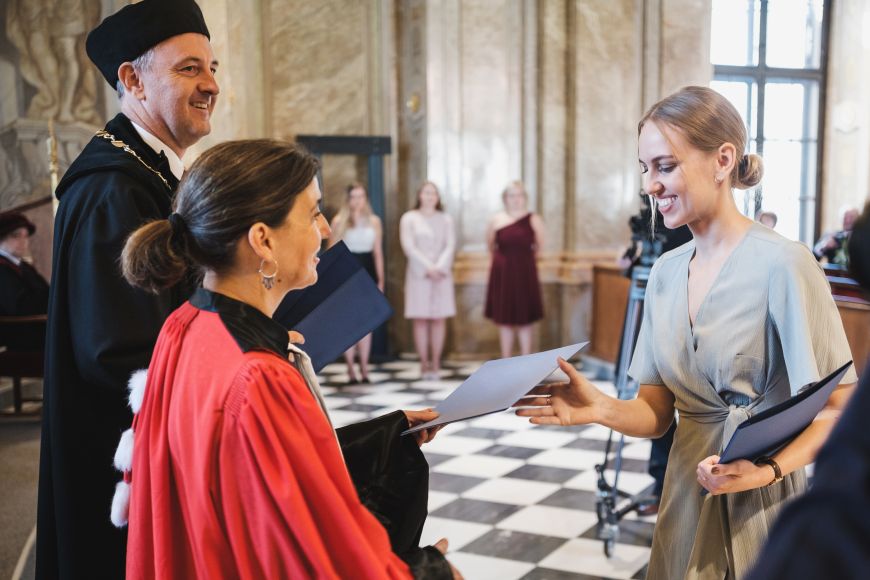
(693, 325)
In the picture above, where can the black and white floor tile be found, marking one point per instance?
(515, 500)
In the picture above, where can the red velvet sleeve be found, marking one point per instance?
(282, 489)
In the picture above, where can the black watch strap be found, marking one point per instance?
(777, 472)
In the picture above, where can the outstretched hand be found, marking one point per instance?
(423, 416)
(576, 402)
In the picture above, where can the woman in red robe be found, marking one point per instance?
(236, 470)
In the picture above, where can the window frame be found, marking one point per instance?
(761, 74)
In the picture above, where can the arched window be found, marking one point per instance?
(769, 59)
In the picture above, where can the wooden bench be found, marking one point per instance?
(19, 364)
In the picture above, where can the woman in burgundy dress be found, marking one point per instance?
(513, 297)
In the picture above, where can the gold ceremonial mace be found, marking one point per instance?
(51, 142)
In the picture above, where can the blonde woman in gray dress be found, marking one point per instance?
(735, 321)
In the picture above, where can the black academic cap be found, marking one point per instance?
(132, 30)
(12, 220)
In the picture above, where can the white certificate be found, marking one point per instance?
(497, 385)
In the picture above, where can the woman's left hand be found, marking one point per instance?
(422, 416)
(740, 475)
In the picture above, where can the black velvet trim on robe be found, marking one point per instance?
(250, 328)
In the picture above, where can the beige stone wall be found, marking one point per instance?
(846, 175)
(549, 92)
(475, 93)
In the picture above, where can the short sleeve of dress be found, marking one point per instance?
(806, 319)
(643, 367)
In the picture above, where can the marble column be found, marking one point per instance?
(846, 176)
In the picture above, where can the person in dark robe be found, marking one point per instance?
(232, 468)
(826, 532)
(23, 291)
(157, 54)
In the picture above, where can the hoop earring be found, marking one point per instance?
(268, 279)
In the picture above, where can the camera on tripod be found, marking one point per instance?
(653, 240)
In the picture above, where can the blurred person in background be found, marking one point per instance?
(513, 296)
(23, 291)
(361, 230)
(832, 246)
(428, 240)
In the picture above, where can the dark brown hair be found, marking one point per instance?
(707, 120)
(439, 206)
(228, 189)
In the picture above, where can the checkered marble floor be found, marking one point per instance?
(515, 500)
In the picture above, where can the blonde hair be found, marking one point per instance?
(708, 120)
(344, 218)
(516, 183)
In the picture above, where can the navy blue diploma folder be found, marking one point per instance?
(769, 431)
(343, 306)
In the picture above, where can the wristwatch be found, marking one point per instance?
(777, 472)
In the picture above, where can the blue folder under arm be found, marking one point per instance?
(343, 306)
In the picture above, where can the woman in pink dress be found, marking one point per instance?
(513, 297)
(428, 241)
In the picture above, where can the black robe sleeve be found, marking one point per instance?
(391, 476)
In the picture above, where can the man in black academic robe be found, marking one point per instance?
(23, 291)
(100, 329)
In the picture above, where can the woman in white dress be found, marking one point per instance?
(428, 242)
(735, 321)
(360, 229)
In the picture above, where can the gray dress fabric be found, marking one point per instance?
(767, 328)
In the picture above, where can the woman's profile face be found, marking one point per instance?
(679, 176)
(299, 239)
(357, 198)
(515, 199)
(429, 197)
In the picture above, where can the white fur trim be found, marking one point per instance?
(124, 453)
(136, 386)
(121, 504)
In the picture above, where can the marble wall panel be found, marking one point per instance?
(846, 176)
(684, 57)
(491, 115)
(237, 41)
(317, 64)
(554, 128)
(608, 88)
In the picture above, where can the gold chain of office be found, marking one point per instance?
(102, 133)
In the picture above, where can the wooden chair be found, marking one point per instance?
(18, 364)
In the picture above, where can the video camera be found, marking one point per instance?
(652, 242)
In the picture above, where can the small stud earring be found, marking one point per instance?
(268, 279)
(718, 179)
